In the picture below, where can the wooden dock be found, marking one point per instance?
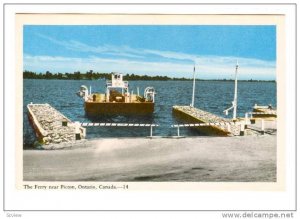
(219, 126)
(52, 127)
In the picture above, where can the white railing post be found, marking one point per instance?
(77, 131)
(262, 126)
(242, 129)
(252, 120)
(151, 130)
(84, 132)
(246, 120)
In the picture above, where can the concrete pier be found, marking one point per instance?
(219, 126)
(214, 125)
(52, 127)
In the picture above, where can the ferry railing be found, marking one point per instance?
(123, 83)
(90, 124)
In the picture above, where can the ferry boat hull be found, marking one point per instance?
(104, 108)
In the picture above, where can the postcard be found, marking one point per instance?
(158, 100)
(134, 103)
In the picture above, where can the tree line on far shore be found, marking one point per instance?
(91, 75)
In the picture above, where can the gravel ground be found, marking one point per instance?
(198, 159)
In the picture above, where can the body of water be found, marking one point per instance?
(212, 96)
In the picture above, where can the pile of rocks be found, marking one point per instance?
(51, 121)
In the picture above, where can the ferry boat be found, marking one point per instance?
(117, 100)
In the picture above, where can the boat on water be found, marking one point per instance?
(117, 100)
(264, 111)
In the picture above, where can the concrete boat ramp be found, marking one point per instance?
(214, 125)
(52, 127)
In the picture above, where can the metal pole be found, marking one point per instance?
(150, 130)
(193, 95)
(178, 133)
(235, 91)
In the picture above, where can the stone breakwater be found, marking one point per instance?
(52, 127)
(221, 126)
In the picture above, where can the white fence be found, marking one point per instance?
(217, 124)
(225, 125)
(90, 124)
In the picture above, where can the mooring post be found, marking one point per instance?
(252, 120)
(178, 132)
(242, 129)
(77, 131)
(262, 126)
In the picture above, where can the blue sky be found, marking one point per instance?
(153, 50)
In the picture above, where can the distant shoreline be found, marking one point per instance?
(107, 76)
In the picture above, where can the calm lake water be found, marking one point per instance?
(212, 96)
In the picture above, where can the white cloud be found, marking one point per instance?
(172, 55)
(105, 49)
(206, 66)
(132, 60)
